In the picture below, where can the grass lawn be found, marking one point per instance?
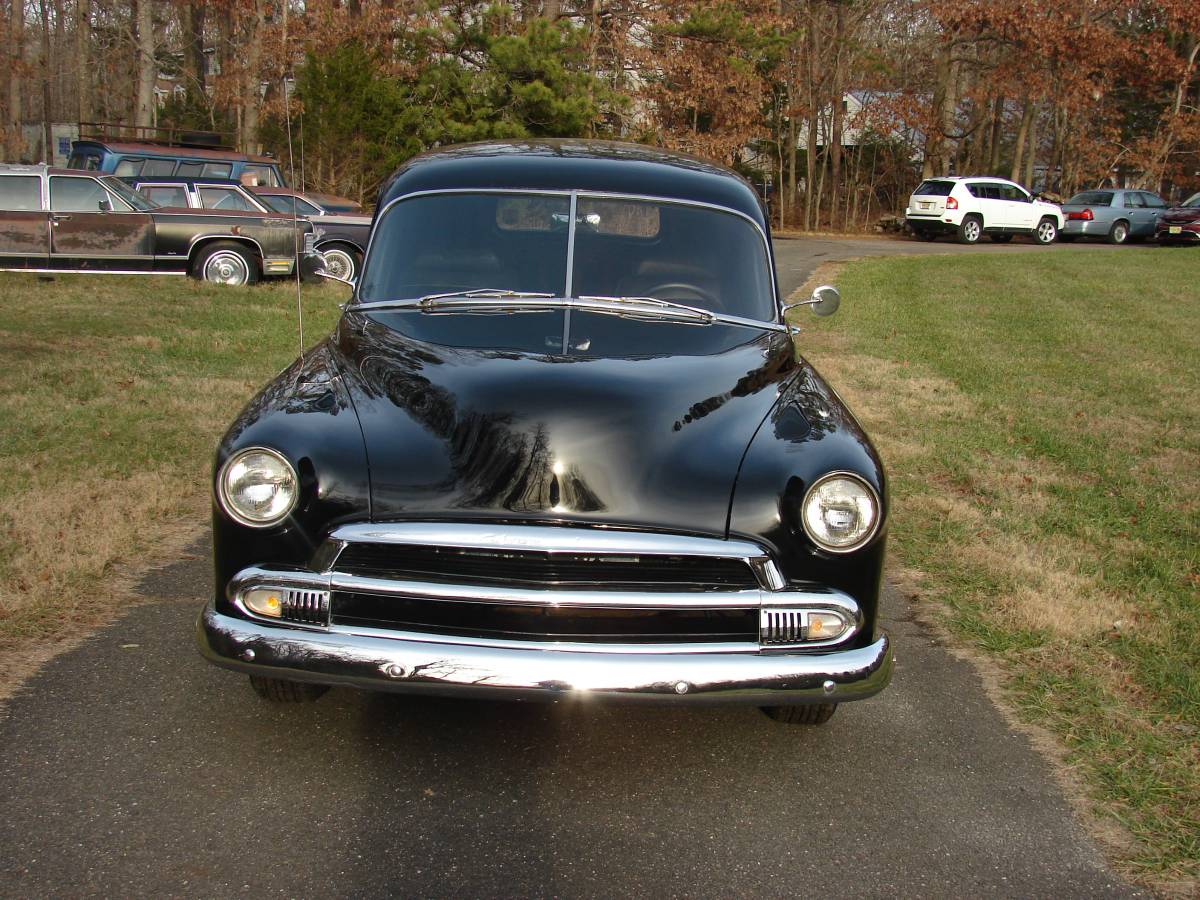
(1040, 418)
(1038, 413)
(113, 393)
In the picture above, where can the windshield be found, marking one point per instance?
(1193, 201)
(623, 248)
(129, 195)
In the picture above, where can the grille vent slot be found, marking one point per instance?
(309, 607)
(778, 627)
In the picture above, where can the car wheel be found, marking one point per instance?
(816, 714)
(1119, 233)
(224, 262)
(278, 691)
(971, 230)
(1046, 232)
(342, 262)
(1001, 238)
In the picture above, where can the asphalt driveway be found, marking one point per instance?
(131, 767)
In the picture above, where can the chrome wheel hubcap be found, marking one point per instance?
(339, 263)
(1046, 232)
(226, 267)
(972, 231)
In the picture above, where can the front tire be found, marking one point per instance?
(278, 691)
(816, 714)
(1047, 231)
(971, 230)
(226, 262)
(1119, 233)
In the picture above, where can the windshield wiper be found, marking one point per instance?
(692, 313)
(483, 292)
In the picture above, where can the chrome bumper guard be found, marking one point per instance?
(421, 663)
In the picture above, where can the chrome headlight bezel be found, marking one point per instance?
(231, 509)
(876, 506)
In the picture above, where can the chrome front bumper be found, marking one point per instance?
(422, 663)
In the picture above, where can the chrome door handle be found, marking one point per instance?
(58, 218)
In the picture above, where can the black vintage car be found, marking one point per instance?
(65, 220)
(558, 446)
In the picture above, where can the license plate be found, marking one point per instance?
(925, 205)
(1175, 229)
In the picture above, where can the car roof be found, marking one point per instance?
(562, 165)
(173, 151)
(43, 169)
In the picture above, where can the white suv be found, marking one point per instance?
(971, 207)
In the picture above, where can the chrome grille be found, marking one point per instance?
(308, 607)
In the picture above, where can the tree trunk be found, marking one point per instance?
(993, 164)
(194, 65)
(147, 69)
(15, 143)
(1019, 144)
(1031, 154)
(835, 130)
(793, 137)
(83, 70)
(252, 85)
(47, 77)
(813, 111)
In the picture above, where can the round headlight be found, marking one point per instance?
(840, 513)
(257, 487)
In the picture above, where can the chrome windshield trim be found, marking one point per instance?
(548, 538)
(601, 195)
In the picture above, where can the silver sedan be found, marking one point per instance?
(1115, 215)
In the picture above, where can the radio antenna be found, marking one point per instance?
(287, 115)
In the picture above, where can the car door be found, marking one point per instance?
(93, 230)
(24, 223)
(1153, 205)
(1021, 211)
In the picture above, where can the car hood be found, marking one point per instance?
(1180, 215)
(652, 442)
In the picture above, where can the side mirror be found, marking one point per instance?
(824, 301)
(320, 272)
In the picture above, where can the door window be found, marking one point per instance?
(190, 169)
(76, 194)
(166, 194)
(1016, 194)
(263, 176)
(1133, 201)
(1153, 201)
(21, 192)
(224, 198)
(217, 170)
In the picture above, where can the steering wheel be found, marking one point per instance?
(682, 292)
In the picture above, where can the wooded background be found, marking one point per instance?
(1058, 94)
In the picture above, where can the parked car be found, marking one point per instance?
(969, 208)
(1181, 224)
(340, 239)
(1115, 215)
(342, 227)
(64, 220)
(558, 446)
(132, 158)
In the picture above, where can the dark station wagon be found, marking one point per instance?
(559, 446)
(64, 220)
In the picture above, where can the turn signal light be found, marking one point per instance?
(264, 601)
